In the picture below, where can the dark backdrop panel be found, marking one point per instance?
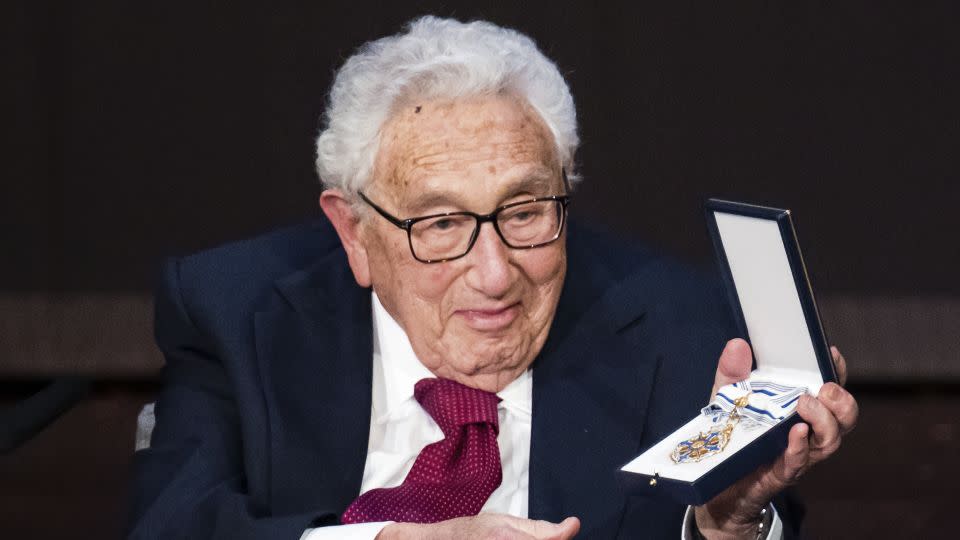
(144, 129)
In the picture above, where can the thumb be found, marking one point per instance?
(735, 363)
(568, 528)
(547, 530)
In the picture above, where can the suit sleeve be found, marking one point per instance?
(189, 484)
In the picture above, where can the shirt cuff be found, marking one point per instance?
(355, 531)
(687, 532)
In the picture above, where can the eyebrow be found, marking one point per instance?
(537, 184)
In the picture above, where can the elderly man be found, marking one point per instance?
(444, 357)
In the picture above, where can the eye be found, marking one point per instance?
(443, 224)
(446, 224)
(522, 215)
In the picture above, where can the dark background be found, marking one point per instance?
(138, 130)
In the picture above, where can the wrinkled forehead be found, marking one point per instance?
(479, 144)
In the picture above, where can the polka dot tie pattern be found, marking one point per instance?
(450, 478)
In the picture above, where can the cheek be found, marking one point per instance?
(544, 267)
(415, 289)
(384, 253)
(390, 269)
(433, 281)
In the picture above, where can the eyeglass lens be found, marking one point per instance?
(520, 226)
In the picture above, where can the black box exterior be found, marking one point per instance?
(764, 449)
(771, 444)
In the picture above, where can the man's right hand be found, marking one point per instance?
(491, 526)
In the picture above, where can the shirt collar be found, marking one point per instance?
(397, 369)
(517, 396)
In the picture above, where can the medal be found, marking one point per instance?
(712, 441)
(756, 403)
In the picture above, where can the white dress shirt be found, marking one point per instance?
(400, 429)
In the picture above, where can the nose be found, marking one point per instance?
(490, 269)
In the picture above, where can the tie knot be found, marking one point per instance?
(452, 404)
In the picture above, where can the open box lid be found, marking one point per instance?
(770, 293)
(772, 301)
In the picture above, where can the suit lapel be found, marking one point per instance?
(591, 383)
(315, 350)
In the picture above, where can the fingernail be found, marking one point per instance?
(833, 392)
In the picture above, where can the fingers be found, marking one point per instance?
(484, 525)
(825, 437)
(840, 363)
(735, 364)
(797, 456)
(827, 418)
(546, 530)
(569, 528)
(841, 404)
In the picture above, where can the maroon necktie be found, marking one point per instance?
(450, 478)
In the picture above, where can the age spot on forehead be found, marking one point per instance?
(443, 136)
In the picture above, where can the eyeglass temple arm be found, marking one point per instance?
(566, 181)
(403, 224)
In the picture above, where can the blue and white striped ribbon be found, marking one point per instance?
(768, 403)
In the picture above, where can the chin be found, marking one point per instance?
(501, 355)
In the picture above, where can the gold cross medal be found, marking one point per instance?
(712, 441)
(760, 403)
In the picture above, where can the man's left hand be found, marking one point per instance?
(735, 513)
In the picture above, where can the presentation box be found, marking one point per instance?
(773, 303)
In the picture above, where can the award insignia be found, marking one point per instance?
(712, 441)
(756, 403)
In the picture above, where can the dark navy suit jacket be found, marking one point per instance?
(263, 421)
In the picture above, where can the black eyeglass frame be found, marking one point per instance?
(407, 224)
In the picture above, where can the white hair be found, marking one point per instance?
(435, 59)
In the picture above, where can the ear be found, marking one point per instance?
(340, 213)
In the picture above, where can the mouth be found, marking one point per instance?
(490, 319)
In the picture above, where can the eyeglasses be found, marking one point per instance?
(444, 237)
